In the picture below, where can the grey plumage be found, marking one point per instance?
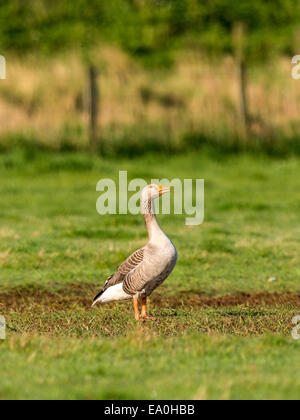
(149, 266)
(120, 275)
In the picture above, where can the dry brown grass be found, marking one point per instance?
(44, 96)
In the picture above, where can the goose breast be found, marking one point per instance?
(158, 263)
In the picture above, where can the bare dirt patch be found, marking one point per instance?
(82, 295)
(239, 299)
(67, 312)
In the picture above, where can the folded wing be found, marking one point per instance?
(120, 275)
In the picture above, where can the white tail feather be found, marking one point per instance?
(113, 293)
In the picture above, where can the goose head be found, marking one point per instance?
(153, 191)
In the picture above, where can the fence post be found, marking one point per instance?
(239, 36)
(93, 106)
(244, 97)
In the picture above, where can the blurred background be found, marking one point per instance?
(185, 89)
(125, 77)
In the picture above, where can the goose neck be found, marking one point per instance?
(152, 225)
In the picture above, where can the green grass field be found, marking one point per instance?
(223, 329)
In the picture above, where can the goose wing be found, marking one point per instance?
(130, 264)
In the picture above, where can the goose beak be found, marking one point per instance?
(162, 190)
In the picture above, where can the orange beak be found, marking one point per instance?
(162, 190)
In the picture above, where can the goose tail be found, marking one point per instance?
(97, 298)
(111, 294)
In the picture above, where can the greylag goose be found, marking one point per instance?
(147, 268)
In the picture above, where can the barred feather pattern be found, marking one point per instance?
(146, 277)
(119, 276)
(148, 267)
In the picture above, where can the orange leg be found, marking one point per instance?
(136, 309)
(144, 310)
